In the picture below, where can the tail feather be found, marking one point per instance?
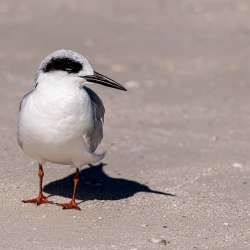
(94, 157)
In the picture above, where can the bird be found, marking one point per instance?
(61, 120)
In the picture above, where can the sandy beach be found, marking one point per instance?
(176, 174)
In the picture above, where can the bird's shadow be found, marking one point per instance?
(96, 184)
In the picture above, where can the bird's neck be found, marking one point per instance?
(51, 82)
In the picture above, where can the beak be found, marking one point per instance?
(103, 80)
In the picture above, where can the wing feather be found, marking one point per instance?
(94, 137)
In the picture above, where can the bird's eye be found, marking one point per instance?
(69, 66)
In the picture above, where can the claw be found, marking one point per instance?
(38, 201)
(70, 205)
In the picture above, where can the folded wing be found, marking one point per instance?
(94, 137)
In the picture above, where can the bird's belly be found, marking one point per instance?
(49, 146)
(54, 134)
(61, 153)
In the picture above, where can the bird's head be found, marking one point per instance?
(71, 64)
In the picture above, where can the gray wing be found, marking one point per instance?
(94, 137)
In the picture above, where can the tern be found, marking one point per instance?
(60, 120)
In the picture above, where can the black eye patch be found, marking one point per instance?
(63, 64)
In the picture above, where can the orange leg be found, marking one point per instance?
(72, 204)
(41, 198)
